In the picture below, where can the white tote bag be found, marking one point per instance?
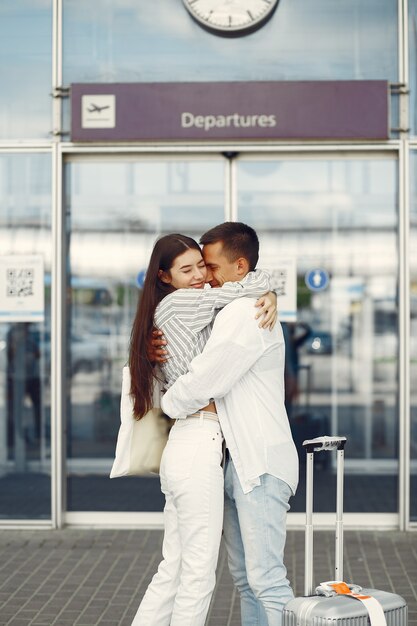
(140, 443)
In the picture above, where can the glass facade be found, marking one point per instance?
(326, 205)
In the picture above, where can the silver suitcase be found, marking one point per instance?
(322, 606)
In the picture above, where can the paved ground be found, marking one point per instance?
(90, 577)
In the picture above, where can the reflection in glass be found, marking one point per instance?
(116, 211)
(25, 347)
(159, 41)
(413, 334)
(339, 215)
(26, 61)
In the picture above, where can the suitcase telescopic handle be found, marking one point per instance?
(323, 444)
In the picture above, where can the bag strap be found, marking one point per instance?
(373, 607)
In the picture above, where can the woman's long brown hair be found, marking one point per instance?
(142, 374)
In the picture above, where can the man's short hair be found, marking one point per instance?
(238, 240)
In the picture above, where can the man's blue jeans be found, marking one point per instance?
(254, 533)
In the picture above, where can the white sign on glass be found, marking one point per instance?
(284, 283)
(22, 288)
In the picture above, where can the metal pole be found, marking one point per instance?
(308, 552)
(404, 275)
(339, 517)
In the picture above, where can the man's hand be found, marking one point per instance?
(156, 351)
(267, 305)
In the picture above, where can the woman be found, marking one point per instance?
(175, 301)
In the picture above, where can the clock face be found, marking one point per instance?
(231, 17)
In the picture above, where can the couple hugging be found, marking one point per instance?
(230, 463)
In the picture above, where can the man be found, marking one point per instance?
(242, 369)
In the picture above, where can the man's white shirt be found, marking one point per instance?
(242, 369)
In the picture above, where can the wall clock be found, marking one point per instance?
(231, 18)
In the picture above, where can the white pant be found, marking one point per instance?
(192, 481)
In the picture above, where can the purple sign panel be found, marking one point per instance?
(332, 110)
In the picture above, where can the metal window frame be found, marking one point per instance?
(295, 521)
(404, 334)
(412, 524)
(404, 274)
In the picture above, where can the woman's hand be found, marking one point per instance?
(267, 305)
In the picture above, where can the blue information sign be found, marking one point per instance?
(140, 278)
(317, 279)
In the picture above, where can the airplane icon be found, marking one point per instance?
(94, 108)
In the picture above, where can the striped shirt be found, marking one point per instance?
(186, 318)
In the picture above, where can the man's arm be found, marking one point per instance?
(234, 346)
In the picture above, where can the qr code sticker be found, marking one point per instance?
(279, 282)
(20, 282)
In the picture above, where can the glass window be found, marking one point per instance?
(25, 69)
(413, 334)
(25, 346)
(340, 215)
(159, 41)
(117, 208)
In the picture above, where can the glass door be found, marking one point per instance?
(337, 215)
(331, 212)
(116, 208)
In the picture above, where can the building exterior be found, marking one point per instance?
(90, 176)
